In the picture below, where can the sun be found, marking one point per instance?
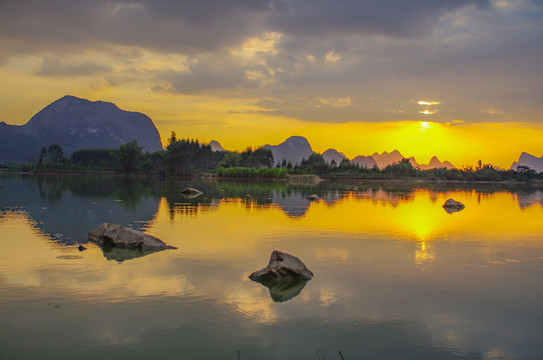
(425, 125)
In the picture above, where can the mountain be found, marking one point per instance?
(333, 155)
(367, 162)
(75, 124)
(385, 159)
(433, 164)
(293, 149)
(529, 160)
(215, 146)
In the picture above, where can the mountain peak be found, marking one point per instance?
(529, 160)
(293, 149)
(215, 146)
(76, 123)
(333, 155)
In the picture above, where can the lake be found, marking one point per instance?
(396, 276)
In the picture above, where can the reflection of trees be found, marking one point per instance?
(50, 189)
(70, 206)
(292, 198)
(128, 189)
(75, 193)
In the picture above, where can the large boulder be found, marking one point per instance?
(285, 276)
(451, 206)
(111, 235)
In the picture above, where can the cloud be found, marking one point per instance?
(396, 18)
(212, 74)
(52, 67)
(189, 27)
(284, 55)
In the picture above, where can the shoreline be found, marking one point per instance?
(215, 177)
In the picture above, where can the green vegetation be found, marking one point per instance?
(246, 172)
(187, 157)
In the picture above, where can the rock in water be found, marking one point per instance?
(451, 206)
(111, 235)
(313, 197)
(191, 192)
(282, 266)
(285, 276)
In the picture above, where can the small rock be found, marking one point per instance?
(281, 266)
(313, 197)
(191, 192)
(81, 248)
(451, 206)
(285, 276)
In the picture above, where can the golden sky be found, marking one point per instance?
(462, 81)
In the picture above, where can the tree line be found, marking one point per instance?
(189, 156)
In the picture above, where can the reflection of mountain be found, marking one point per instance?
(293, 204)
(68, 207)
(526, 200)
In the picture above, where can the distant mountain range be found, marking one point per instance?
(296, 148)
(75, 124)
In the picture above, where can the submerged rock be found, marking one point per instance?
(313, 197)
(285, 276)
(111, 235)
(451, 206)
(191, 192)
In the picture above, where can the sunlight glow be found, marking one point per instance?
(425, 125)
(428, 112)
(421, 102)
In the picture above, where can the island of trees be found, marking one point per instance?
(188, 157)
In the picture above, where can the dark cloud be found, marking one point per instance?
(209, 75)
(198, 26)
(53, 67)
(391, 17)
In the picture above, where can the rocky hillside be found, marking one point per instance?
(533, 162)
(74, 124)
(293, 149)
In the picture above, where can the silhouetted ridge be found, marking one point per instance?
(74, 124)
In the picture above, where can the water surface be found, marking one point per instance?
(396, 276)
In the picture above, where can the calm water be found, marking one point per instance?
(396, 277)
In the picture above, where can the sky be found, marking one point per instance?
(459, 79)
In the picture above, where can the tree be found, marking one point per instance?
(55, 154)
(129, 154)
(172, 139)
(43, 156)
